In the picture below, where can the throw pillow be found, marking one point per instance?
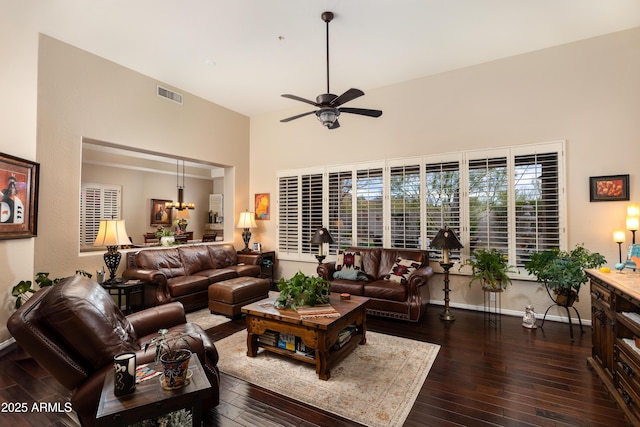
(349, 261)
(402, 269)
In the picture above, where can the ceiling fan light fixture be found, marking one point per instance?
(328, 117)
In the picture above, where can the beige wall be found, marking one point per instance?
(585, 93)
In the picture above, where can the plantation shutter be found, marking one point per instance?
(288, 225)
(536, 186)
(340, 209)
(311, 210)
(442, 201)
(488, 204)
(404, 193)
(97, 202)
(369, 197)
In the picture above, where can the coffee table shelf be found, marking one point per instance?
(317, 333)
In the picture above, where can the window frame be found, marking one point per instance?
(85, 237)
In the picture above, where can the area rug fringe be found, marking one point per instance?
(376, 385)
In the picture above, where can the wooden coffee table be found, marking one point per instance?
(318, 333)
(150, 400)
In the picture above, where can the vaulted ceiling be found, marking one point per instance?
(244, 54)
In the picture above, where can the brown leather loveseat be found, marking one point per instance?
(74, 329)
(396, 280)
(184, 273)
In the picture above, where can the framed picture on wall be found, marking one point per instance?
(160, 215)
(262, 206)
(608, 188)
(19, 179)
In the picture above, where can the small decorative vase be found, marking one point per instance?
(175, 372)
(167, 240)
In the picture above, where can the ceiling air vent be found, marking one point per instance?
(169, 94)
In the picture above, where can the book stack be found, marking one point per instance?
(303, 350)
(287, 341)
(343, 337)
(269, 338)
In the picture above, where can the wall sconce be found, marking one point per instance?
(112, 233)
(619, 238)
(246, 222)
(321, 237)
(446, 240)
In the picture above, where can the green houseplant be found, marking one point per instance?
(174, 352)
(562, 272)
(24, 289)
(302, 290)
(490, 268)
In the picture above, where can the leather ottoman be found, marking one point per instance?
(229, 296)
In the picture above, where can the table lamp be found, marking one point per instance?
(246, 222)
(112, 233)
(618, 237)
(321, 237)
(446, 240)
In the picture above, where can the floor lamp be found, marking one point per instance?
(446, 240)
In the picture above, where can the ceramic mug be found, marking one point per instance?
(124, 374)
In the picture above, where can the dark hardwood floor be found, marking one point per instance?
(486, 374)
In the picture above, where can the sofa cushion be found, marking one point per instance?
(167, 261)
(223, 255)
(402, 269)
(385, 290)
(352, 287)
(195, 258)
(186, 285)
(81, 311)
(349, 260)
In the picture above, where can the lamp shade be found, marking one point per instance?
(446, 239)
(183, 214)
(633, 210)
(247, 220)
(618, 236)
(633, 223)
(112, 232)
(321, 236)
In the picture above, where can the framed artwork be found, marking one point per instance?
(160, 214)
(19, 179)
(262, 206)
(608, 188)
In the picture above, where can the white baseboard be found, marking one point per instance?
(516, 313)
(7, 343)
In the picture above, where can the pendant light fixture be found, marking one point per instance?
(180, 204)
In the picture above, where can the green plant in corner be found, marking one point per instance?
(563, 271)
(302, 290)
(490, 268)
(24, 290)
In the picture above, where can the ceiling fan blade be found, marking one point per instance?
(361, 111)
(335, 125)
(288, 119)
(349, 95)
(297, 98)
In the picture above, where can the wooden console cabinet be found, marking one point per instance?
(615, 314)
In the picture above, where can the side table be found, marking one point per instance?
(150, 400)
(268, 267)
(126, 289)
(492, 305)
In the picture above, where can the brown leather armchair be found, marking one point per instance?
(74, 329)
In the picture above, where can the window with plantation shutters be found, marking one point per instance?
(510, 199)
(442, 201)
(288, 212)
(487, 202)
(404, 192)
(340, 191)
(369, 198)
(97, 202)
(311, 210)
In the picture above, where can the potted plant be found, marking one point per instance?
(563, 271)
(174, 352)
(24, 290)
(302, 290)
(490, 268)
(165, 235)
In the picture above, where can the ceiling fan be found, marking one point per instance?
(328, 104)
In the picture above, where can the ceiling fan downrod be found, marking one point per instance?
(327, 17)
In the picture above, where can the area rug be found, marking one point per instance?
(376, 385)
(205, 319)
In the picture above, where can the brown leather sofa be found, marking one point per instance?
(184, 273)
(406, 301)
(74, 329)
